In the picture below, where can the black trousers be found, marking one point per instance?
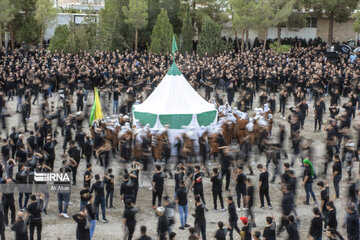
(2, 233)
(264, 192)
(227, 173)
(9, 205)
(215, 196)
(157, 194)
(239, 193)
(318, 121)
(38, 225)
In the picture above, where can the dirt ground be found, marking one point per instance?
(56, 227)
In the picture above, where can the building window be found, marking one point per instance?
(311, 22)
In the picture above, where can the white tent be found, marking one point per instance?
(176, 104)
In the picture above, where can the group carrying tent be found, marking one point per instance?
(176, 104)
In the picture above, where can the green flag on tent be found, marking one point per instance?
(174, 46)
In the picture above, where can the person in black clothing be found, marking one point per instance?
(246, 229)
(87, 151)
(49, 149)
(352, 223)
(264, 186)
(34, 210)
(269, 232)
(250, 200)
(200, 221)
(316, 225)
(129, 219)
(324, 196)
(287, 206)
(157, 185)
(134, 176)
(162, 226)
(80, 100)
(226, 161)
(318, 115)
(240, 186)
(292, 229)
(75, 154)
(331, 215)
(116, 94)
(197, 184)
(82, 231)
(233, 218)
(110, 187)
(337, 174)
(217, 188)
(221, 233)
(80, 139)
(143, 234)
(182, 201)
(20, 227)
(127, 189)
(2, 223)
(98, 187)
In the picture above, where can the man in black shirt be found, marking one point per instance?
(200, 221)
(226, 160)
(232, 217)
(143, 234)
(197, 184)
(116, 101)
(88, 175)
(221, 233)
(324, 196)
(269, 230)
(98, 187)
(82, 231)
(74, 153)
(292, 229)
(352, 223)
(217, 188)
(337, 174)
(162, 227)
(316, 225)
(264, 186)
(308, 181)
(109, 180)
(157, 185)
(34, 210)
(127, 189)
(240, 186)
(129, 219)
(20, 227)
(181, 199)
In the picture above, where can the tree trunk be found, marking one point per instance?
(12, 37)
(243, 40)
(279, 35)
(247, 39)
(1, 45)
(237, 40)
(41, 38)
(265, 38)
(331, 28)
(136, 39)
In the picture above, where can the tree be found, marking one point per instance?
(162, 35)
(242, 17)
(356, 24)
(210, 38)
(45, 15)
(60, 37)
(136, 15)
(29, 31)
(271, 13)
(7, 13)
(335, 10)
(187, 34)
(172, 7)
(112, 28)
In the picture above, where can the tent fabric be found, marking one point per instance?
(176, 121)
(206, 118)
(174, 95)
(145, 118)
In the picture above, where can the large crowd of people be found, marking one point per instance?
(250, 90)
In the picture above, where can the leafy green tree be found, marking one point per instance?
(335, 10)
(45, 15)
(162, 35)
(242, 17)
(29, 31)
(112, 28)
(187, 34)
(356, 24)
(210, 38)
(271, 13)
(58, 41)
(136, 15)
(7, 13)
(172, 7)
